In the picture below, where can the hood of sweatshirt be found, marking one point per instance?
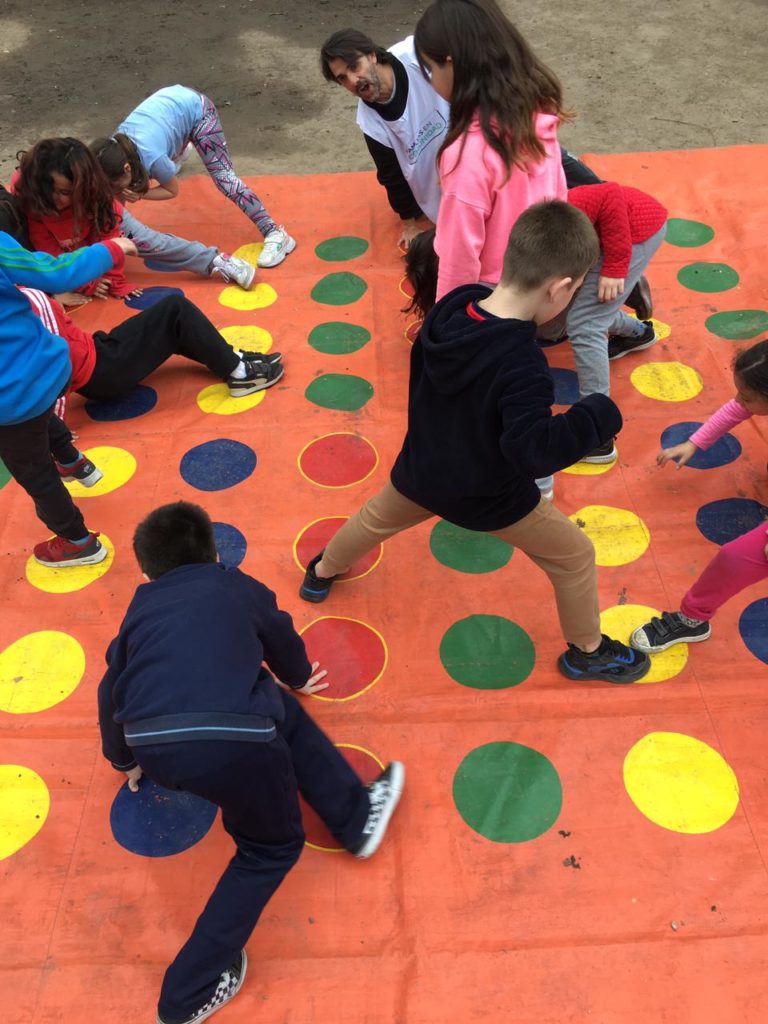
(457, 347)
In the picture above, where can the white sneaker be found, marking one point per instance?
(277, 244)
(232, 268)
(384, 794)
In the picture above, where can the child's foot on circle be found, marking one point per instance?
(612, 662)
(315, 588)
(83, 471)
(384, 793)
(277, 245)
(233, 269)
(672, 628)
(602, 455)
(259, 375)
(59, 552)
(230, 983)
(265, 357)
(621, 345)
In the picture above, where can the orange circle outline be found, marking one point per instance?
(402, 290)
(351, 578)
(363, 750)
(338, 433)
(365, 689)
(408, 326)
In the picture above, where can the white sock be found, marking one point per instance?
(240, 372)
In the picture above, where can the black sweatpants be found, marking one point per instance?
(138, 346)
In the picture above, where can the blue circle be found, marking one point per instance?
(216, 465)
(725, 520)
(753, 627)
(127, 407)
(150, 296)
(566, 386)
(158, 822)
(726, 449)
(230, 544)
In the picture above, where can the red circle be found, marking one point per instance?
(338, 460)
(367, 767)
(406, 287)
(314, 538)
(412, 330)
(353, 653)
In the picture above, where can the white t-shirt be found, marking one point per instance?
(417, 135)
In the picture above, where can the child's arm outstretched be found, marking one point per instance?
(719, 423)
(284, 650)
(62, 273)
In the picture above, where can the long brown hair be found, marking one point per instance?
(113, 153)
(496, 76)
(92, 200)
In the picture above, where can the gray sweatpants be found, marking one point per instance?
(174, 252)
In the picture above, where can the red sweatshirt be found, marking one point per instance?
(623, 217)
(82, 351)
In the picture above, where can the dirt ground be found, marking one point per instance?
(685, 74)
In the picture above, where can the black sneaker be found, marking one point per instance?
(229, 985)
(83, 471)
(621, 345)
(259, 375)
(639, 300)
(602, 455)
(659, 634)
(315, 588)
(384, 794)
(264, 357)
(613, 662)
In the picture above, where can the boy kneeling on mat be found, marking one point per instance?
(195, 636)
(481, 431)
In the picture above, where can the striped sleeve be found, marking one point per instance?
(57, 273)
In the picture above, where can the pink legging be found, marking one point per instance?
(737, 564)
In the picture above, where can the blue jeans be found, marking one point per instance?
(176, 253)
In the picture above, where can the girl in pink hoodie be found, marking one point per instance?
(501, 153)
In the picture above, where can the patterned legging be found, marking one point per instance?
(208, 139)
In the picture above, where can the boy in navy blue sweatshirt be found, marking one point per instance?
(187, 700)
(481, 431)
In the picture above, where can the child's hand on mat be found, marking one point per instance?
(312, 685)
(71, 299)
(609, 288)
(679, 454)
(127, 245)
(411, 228)
(133, 778)
(135, 293)
(101, 291)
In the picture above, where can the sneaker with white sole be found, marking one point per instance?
(59, 552)
(277, 244)
(83, 471)
(233, 269)
(621, 345)
(612, 662)
(384, 794)
(259, 376)
(602, 455)
(672, 628)
(230, 983)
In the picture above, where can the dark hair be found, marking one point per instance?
(12, 220)
(177, 534)
(114, 153)
(751, 366)
(421, 270)
(349, 45)
(549, 239)
(92, 202)
(496, 76)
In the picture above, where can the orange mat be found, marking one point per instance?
(562, 852)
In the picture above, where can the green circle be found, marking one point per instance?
(339, 391)
(5, 476)
(688, 233)
(467, 550)
(487, 652)
(507, 793)
(343, 247)
(708, 277)
(337, 338)
(339, 289)
(738, 324)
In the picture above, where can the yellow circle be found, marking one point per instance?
(680, 783)
(39, 670)
(258, 297)
(249, 252)
(619, 535)
(24, 805)
(217, 399)
(363, 750)
(623, 619)
(247, 338)
(117, 465)
(71, 577)
(662, 330)
(667, 382)
(590, 468)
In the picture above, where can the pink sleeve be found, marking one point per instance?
(719, 423)
(459, 241)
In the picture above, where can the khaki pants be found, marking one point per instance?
(548, 537)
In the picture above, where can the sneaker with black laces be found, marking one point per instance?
(230, 983)
(384, 794)
(83, 471)
(59, 552)
(672, 628)
(640, 300)
(602, 455)
(233, 269)
(613, 662)
(621, 345)
(316, 588)
(265, 357)
(277, 245)
(259, 375)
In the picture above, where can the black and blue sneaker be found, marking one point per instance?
(315, 588)
(613, 662)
